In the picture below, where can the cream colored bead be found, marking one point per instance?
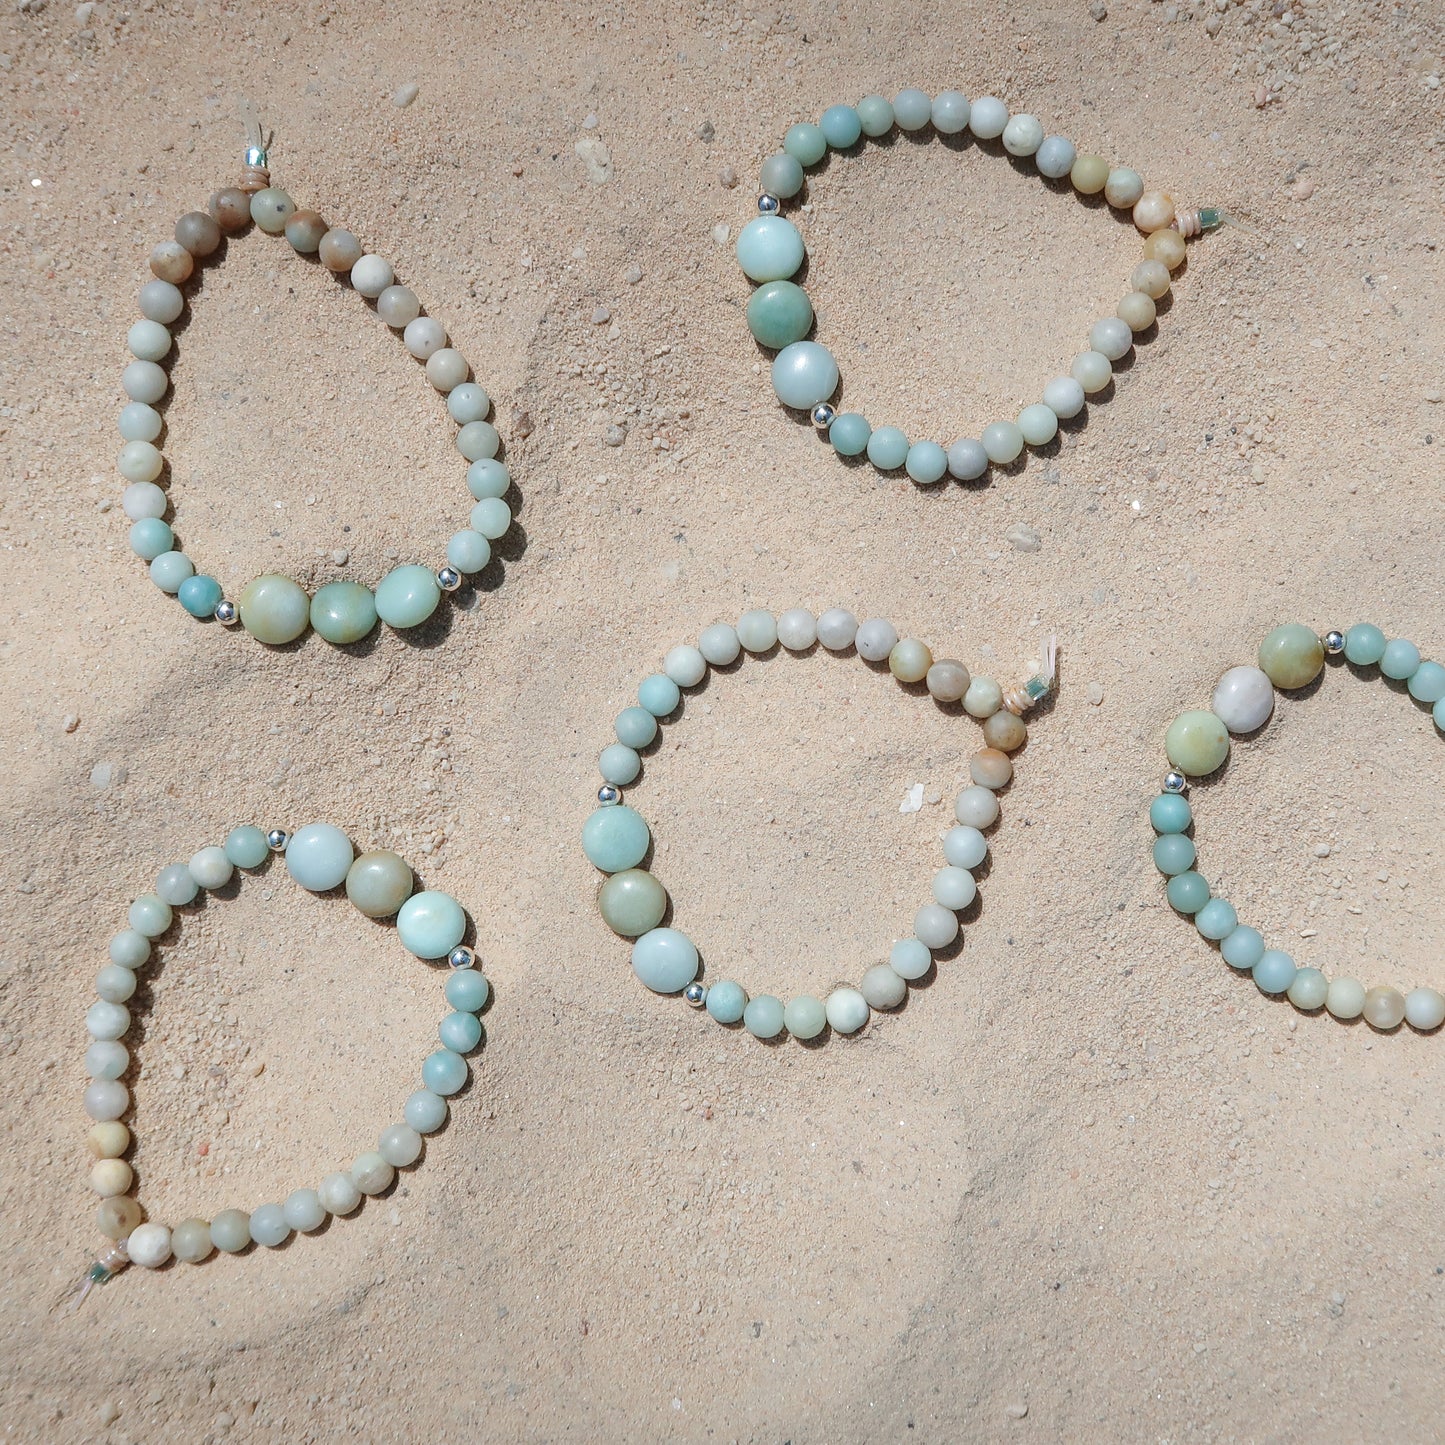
(149, 1245)
(990, 768)
(117, 1216)
(1137, 311)
(1153, 211)
(910, 660)
(111, 1176)
(109, 1140)
(1166, 246)
(1345, 998)
(170, 261)
(1384, 1007)
(1005, 731)
(1152, 278)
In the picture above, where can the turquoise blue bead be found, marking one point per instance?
(467, 989)
(1438, 713)
(1169, 813)
(430, 924)
(926, 462)
(149, 537)
(841, 126)
(199, 595)
(781, 175)
(665, 960)
(1243, 947)
(763, 1016)
(615, 837)
(424, 1111)
(806, 143)
(769, 248)
(343, 612)
(849, 434)
(779, 313)
(635, 727)
(444, 1072)
(1173, 853)
(170, 569)
(1187, 892)
(1427, 682)
(470, 552)
(407, 596)
(619, 764)
(1399, 661)
(726, 1001)
(1217, 919)
(659, 694)
(460, 1032)
(1364, 644)
(247, 847)
(875, 115)
(804, 374)
(887, 448)
(1274, 972)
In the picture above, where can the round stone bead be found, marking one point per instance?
(1039, 423)
(804, 374)
(109, 1177)
(632, 902)
(170, 261)
(805, 1017)
(1345, 998)
(887, 448)
(479, 441)
(343, 612)
(726, 1002)
(1153, 211)
(770, 248)
(1400, 659)
(1173, 853)
(149, 1245)
(1169, 813)
(779, 313)
(430, 923)
(781, 175)
(424, 336)
(615, 838)
(117, 1216)
(491, 517)
(841, 126)
(143, 501)
(1187, 892)
(912, 109)
(1197, 743)
(685, 665)
(910, 660)
(1137, 311)
(758, 630)
(850, 433)
(150, 538)
(129, 948)
(1023, 135)
(1308, 990)
(619, 765)
(1055, 157)
(467, 403)
(1089, 174)
(424, 1111)
(1364, 644)
(1092, 370)
(967, 460)
(926, 463)
(268, 1226)
(659, 695)
(1064, 396)
(665, 960)
(846, 1010)
(246, 847)
(935, 926)
(836, 629)
(1275, 971)
(144, 381)
(140, 423)
(806, 143)
(446, 368)
(379, 882)
(105, 1100)
(763, 1016)
(1438, 714)
(719, 644)
(1167, 247)
(161, 302)
(976, 807)
(982, 698)
(949, 114)
(1004, 732)
(1292, 656)
(318, 857)
(1427, 683)
(170, 570)
(148, 340)
(876, 115)
(199, 595)
(987, 117)
(797, 629)
(1384, 1008)
(883, 988)
(303, 1210)
(947, 680)
(635, 727)
(407, 596)
(1217, 919)
(115, 984)
(305, 231)
(467, 988)
(875, 639)
(274, 609)
(231, 1231)
(444, 1073)
(487, 477)
(1124, 188)
(149, 915)
(1243, 700)
(1003, 441)
(198, 233)
(1242, 948)
(210, 868)
(954, 888)
(176, 886)
(964, 846)
(338, 1193)
(909, 958)
(371, 275)
(107, 1058)
(1111, 337)
(1424, 1009)
(371, 1174)
(400, 1145)
(1152, 278)
(271, 209)
(191, 1241)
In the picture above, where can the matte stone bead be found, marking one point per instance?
(231, 1231)
(191, 1241)
(199, 595)
(935, 926)
(1064, 396)
(107, 1058)
(467, 988)
(875, 639)
(949, 112)
(1111, 337)
(424, 1111)
(804, 374)
(632, 902)
(400, 1145)
(139, 462)
(198, 233)
(117, 1216)
(1424, 1009)
(398, 307)
(148, 340)
(138, 422)
(1152, 278)
(990, 768)
(430, 923)
(615, 838)
(1292, 656)
(446, 368)
(1243, 699)
(115, 984)
(460, 1032)
(338, 1193)
(797, 629)
(170, 570)
(1137, 311)
(836, 629)
(1187, 892)
(1197, 743)
(1039, 424)
(1427, 682)
(371, 1173)
(770, 248)
(1345, 998)
(841, 126)
(763, 1016)
(303, 1210)
(210, 868)
(965, 846)
(1005, 732)
(926, 462)
(1055, 157)
(443, 1073)
(487, 477)
(105, 1100)
(1023, 135)
(1308, 990)
(304, 231)
(371, 275)
(1089, 174)
(882, 987)
(379, 882)
(1364, 644)
(408, 595)
(758, 630)
(954, 888)
(274, 609)
(685, 665)
(1169, 813)
(161, 301)
(149, 1245)
(1274, 972)
(1003, 441)
(778, 314)
(343, 612)
(910, 958)
(129, 948)
(1173, 853)
(619, 765)
(887, 448)
(719, 644)
(987, 117)
(231, 208)
(1166, 247)
(246, 847)
(1217, 919)
(1092, 370)
(635, 727)
(142, 500)
(726, 1002)
(806, 143)
(174, 885)
(468, 551)
(849, 434)
(1400, 659)
(491, 517)
(271, 209)
(1384, 1008)
(424, 336)
(1242, 948)
(876, 115)
(1438, 713)
(912, 109)
(665, 960)
(805, 1017)
(149, 915)
(319, 856)
(467, 402)
(479, 441)
(150, 538)
(1123, 187)
(781, 175)
(1153, 211)
(339, 250)
(909, 660)
(268, 1223)
(967, 460)
(977, 807)
(109, 1177)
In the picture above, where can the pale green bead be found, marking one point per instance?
(246, 847)
(804, 374)
(407, 596)
(926, 462)
(115, 984)
(1364, 644)
(850, 434)
(635, 727)
(430, 924)
(887, 448)
(779, 313)
(274, 609)
(468, 989)
(371, 1174)
(1345, 998)
(343, 612)
(467, 402)
(487, 477)
(910, 958)
(1400, 659)
(632, 902)
(1427, 683)
(1242, 948)
(1197, 743)
(170, 569)
(271, 209)
(319, 856)
(231, 1231)
(781, 175)
(491, 517)
(757, 631)
(805, 1017)
(1291, 656)
(479, 441)
(1038, 424)
(461, 1032)
(1092, 370)
(615, 838)
(1275, 971)
(763, 1016)
(191, 1241)
(468, 551)
(875, 114)
(150, 538)
(149, 916)
(619, 764)
(982, 698)
(726, 1002)
(769, 248)
(140, 462)
(129, 948)
(268, 1226)
(400, 1145)
(1169, 813)
(444, 1073)
(1003, 441)
(806, 143)
(846, 1009)
(424, 1111)
(1308, 989)
(665, 960)
(139, 422)
(303, 1210)
(379, 882)
(148, 340)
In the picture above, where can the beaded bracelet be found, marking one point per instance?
(1197, 743)
(616, 838)
(805, 375)
(273, 608)
(320, 858)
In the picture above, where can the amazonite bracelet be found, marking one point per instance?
(1198, 744)
(273, 608)
(321, 859)
(616, 838)
(805, 374)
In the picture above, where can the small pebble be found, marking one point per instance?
(601, 315)
(341, 556)
(614, 436)
(1096, 693)
(1023, 537)
(109, 1413)
(720, 233)
(69, 722)
(107, 775)
(1018, 1410)
(634, 275)
(1433, 395)
(1303, 188)
(1098, 10)
(728, 176)
(83, 13)
(406, 94)
(1322, 850)
(522, 425)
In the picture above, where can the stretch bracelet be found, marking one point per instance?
(805, 377)
(1198, 743)
(320, 858)
(273, 608)
(616, 838)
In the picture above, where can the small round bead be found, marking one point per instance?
(846, 1010)
(1005, 731)
(1187, 892)
(149, 1245)
(430, 923)
(115, 984)
(965, 846)
(619, 765)
(407, 596)
(797, 629)
(990, 768)
(1400, 659)
(446, 368)
(1153, 211)
(685, 665)
(910, 959)
(883, 988)
(887, 448)
(191, 1241)
(303, 1210)
(659, 694)
(444, 1073)
(763, 1016)
(1064, 396)
(231, 209)
(1292, 656)
(1308, 990)
(912, 109)
(909, 660)
(719, 644)
(805, 1017)
(231, 1231)
(1055, 157)
(725, 1002)
(1169, 813)
(468, 402)
(139, 422)
(935, 926)
(1345, 998)
(467, 988)
(129, 949)
(1384, 1008)
(487, 477)
(110, 1177)
(1112, 337)
(1217, 919)
(635, 727)
(1424, 1009)
(271, 208)
(379, 882)
(268, 1226)
(967, 460)
(1165, 246)
(1089, 174)
(1023, 135)
(1092, 370)
(770, 248)
(875, 639)
(140, 462)
(947, 680)
(665, 960)
(198, 233)
(758, 630)
(339, 250)
(850, 434)
(949, 112)
(804, 374)
(424, 337)
(1173, 853)
(148, 340)
(107, 1058)
(211, 868)
(318, 857)
(1137, 311)
(148, 915)
(841, 126)
(338, 1193)
(1003, 441)
(246, 847)
(468, 551)
(1427, 683)
(987, 117)
(176, 886)
(876, 115)
(836, 629)
(398, 307)
(954, 888)
(105, 1099)
(462, 958)
(1039, 424)
(199, 595)
(424, 1111)
(1123, 187)
(277, 840)
(1242, 947)
(170, 261)
(1275, 971)
(117, 1216)
(1175, 781)
(170, 570)
(926, 463)
(1197, 743)
(806, 143)
(982, 698)
(781, 175)
(400, 1145)
(144, 381)
(371, 275)
(1364, 644)
(304, 231)
(162, 302)
(491, 517)
(1150, 277)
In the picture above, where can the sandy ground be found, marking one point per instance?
(1088, 1184)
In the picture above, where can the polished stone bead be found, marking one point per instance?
(170, 570)
(1242, 947)
(804, 374)
(875, 114)
(424, 1111)
(1427, 682)
(1187, 892)
(1364, 644)
(1292, 656)
(665, 960)
(635, 727)
(1173, 853)
(763, 1016)
(1243, 699)
(841, 126)
(467, 988)
(1398, 662)
(887, 448)
(343, 612)
(460, 1032)
(174, 885)
(149, 915)
(1275, 971)
(407, 596)
(926, 462)
(615, 838)
(726, 1002)
(1169, 813)
(1308, 989)
(150, 538)
(430, 923)
(210, 868)
(444, 1073)
(379, 882)
(274, 609)
(806, 143)
(619, 765)
(246, 847)
(371, 1174)
(770, 248)
(778, 314)
(805, 1017)
(849, 432)
(318, 857)
(231, 1231)
(1217, 919)
(1197, 743)
(632, 902)
(199, 595)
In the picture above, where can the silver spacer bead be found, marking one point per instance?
(823, 415)
(461, 957)
(607, 795)
(449, 579)
(256, 156)
(227, 613)
(769, 204)
(695, 994)
(277, 839)
(1175, 781)
(1334, 641)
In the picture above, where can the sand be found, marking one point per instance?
(1087, 1184)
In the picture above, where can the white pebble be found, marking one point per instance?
(69, 722)
(405, 94)
(106, 775)
(1023, 538)
(600, 315)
